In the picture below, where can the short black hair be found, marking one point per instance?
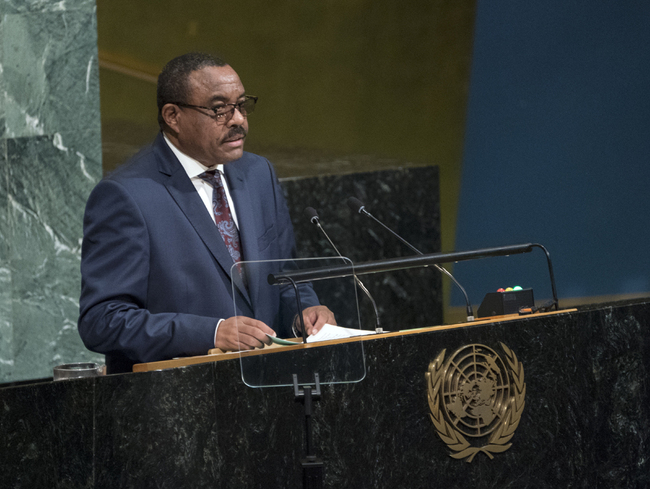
(172, 81)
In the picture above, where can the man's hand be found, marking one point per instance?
(315, 317)
(242, 333)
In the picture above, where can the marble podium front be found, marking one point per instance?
(586, 421)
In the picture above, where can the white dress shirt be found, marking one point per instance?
(193, 169)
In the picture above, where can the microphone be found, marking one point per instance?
(357, 206)
(312, 215)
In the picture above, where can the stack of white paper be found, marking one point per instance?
(331, 332)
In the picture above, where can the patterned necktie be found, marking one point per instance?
(222, 215)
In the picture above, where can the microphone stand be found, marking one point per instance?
(357, 206)
(312, 466)
(314, 219)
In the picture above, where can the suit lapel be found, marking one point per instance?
(248, 226)
(184, 194)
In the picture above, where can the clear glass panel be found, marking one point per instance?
(336, 361)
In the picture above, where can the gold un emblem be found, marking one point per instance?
(474, 395)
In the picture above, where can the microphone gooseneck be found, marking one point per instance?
(312, 215)
(357, 206)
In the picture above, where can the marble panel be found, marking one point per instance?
(175, 431)
(6, 325)
(47, 435)
(47, 189)
(406, 200)
(3, 92)
(41, 6)
(50, 75)
(247, 433)
(51, 159)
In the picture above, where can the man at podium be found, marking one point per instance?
(162, 233)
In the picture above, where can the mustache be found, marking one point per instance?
(236, 132)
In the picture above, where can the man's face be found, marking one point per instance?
(200, 135)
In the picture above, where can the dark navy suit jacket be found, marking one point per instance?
(155, 270)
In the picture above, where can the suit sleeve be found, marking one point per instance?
(115, 278)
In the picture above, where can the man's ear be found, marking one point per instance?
(171, 115)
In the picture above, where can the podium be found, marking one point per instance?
(585, 422)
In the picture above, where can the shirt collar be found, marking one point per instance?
(191, 166)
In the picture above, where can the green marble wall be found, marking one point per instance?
(50, 158)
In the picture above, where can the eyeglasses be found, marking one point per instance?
(223, 113)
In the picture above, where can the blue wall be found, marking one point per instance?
(557, 147)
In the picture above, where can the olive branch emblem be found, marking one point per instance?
(507, 421)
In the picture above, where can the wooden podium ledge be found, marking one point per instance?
(216, 355)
